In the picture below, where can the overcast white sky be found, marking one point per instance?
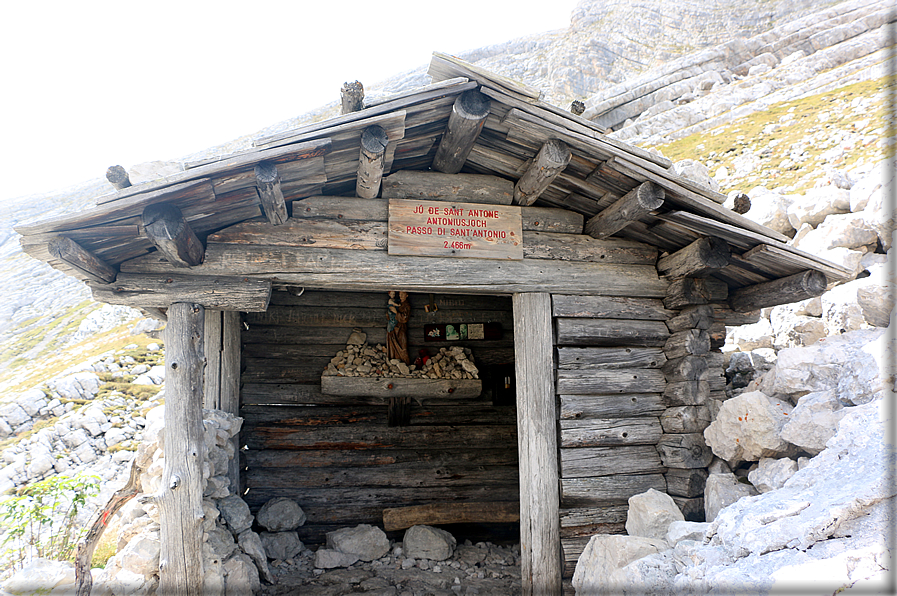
(88, 84)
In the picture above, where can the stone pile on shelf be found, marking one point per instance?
(362, 360)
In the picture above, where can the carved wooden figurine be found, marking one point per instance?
(399, 311)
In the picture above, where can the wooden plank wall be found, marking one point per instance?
(336, 456)
(610, 390)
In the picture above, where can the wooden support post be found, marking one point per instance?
(464, 125)
(73, 254)
(551, 160)
(267, 179)
(180, 499)
(221, 386)
(351, 97)
(371, 160)
(211, 386)
(785, 290)
(170, 233)
(541, 557)
(118, 177)
(641, 200)
(699, 258)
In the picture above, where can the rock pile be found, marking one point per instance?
(74, 423)
(361, 360)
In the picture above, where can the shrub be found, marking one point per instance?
(40, 520)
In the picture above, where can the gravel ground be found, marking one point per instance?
(481, 568)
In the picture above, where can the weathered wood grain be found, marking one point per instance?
(118, 177)
(385, 476)
(400, 518)
(574, 407)
(610, 381)
(468, 188)
(694, 290)
(687, 393)
(686, 482)
(692, 317)
(369, 270)
(608, 432)
(351, 96)
(170, 233)
(687, 343)
(180, 499)
(73, 254)
(687, 450)
(159, 291)
(794, 288)
(468, 115)
(549, 162)
(401, 387)
(607, 490)
(685, 419)
(701, 257)
(537, 443)
(606, 307)
(591, 462)
(581, 358)
(468, 455)
(371, 161)
(632, 206)
(611, 332)
(686, 368)
(579, 247)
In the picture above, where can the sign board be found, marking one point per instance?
(443, 229)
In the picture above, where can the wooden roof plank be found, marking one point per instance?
(406, 103)
(444, 66)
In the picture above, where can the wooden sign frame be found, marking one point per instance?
(443, 229)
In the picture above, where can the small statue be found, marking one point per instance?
(398, 313)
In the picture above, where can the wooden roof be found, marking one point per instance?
(322, 159)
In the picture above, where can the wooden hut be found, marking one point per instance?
(606, 280)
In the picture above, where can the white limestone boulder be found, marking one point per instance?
(427, 542)
(141, 554)
(817, 204)
(235, 513)
(852, 365)
(326, 558)
(80, 385)
(772, 473)
(686, 530)
(749, 427)
(42, 576)
(365, 541)
(721, 491)
(770, 209)
(814, 420)
(241, 576)
(599, 568)
(281, 545)
(695, 171)
(281, 515)
(251, 544)
(650, 514)
(848, 230)
(755, 336)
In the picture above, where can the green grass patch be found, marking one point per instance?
(794, 139)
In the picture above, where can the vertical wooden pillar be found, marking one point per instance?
(222, 375)
(180, 501)
(541, 560)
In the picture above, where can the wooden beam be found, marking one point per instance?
(785, 290)
(371, 270)
(469, 188)
(221, 386)
(464, 125)
(701, 257)
(172, 236)
(118, 177)
(551, 160)
(371, 160)
(497, 512)
(540, 547)
(401, 387)
(267, 179)
(161, 290)
(687, 291)
(691, 342)
(73, 254)
(692, 317)
(351, 97)
(640, 201)
(180, 499)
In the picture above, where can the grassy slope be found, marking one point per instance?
(792, 142)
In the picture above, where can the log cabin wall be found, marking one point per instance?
(335, 455)
(610, 388)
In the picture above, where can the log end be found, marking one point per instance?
(577, 108)
(650, 196)
(473, 105)
(266, 172)
(352, 97)
(374, 139)
(118, 177)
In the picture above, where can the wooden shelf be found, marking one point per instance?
(401, 387)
